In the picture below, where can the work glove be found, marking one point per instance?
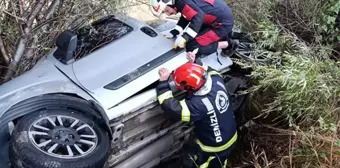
(172, 34)
(180, 42)
(168, 35)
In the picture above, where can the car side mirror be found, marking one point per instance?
(67, 44)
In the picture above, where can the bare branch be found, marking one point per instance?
(30, 52)
(46, 22)
(21, 8)
(17, 56)
(3, 51)
(48, 15)
(40, 22)
(16, 17)
(20, 22)
(51, 9)
(23, 40)
(34, 13)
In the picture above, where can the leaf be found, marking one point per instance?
(332, 127)
(337, 143)
(323, 155)
(325, 28)
(337, 7)
(321, 121)
(337, 153)
(331, 20)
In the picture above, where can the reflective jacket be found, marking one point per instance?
(198, 12)
(210, 110)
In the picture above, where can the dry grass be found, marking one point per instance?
(265, 146)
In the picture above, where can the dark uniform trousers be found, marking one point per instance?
(211, 112)
(209, 21)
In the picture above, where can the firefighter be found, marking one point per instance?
(209, 22)
(207, 105)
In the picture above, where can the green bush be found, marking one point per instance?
(307, 87)
(300, 84)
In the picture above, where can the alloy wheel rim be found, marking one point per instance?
(63, 136)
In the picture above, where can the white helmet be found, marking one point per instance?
(157, 6)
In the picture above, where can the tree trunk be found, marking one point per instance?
(21, 46)
(3, 51)
(17, 56)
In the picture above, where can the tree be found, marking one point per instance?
(28, 28)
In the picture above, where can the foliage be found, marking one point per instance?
(299, 85)
(248, 13)
(307, 88)
(304, 78)
(311, 20)
(328, 21)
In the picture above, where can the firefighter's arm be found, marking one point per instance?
(194, 15)
(178, 110)
(181, 24)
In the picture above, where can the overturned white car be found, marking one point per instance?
(92, 102)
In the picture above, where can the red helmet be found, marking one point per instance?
(189, 76)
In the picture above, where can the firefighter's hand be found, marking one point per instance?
(180, 42)
(168, 35)
(191, 56)
(163, 74)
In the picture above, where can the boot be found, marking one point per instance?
(230, 50)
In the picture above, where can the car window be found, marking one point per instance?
(99, 34)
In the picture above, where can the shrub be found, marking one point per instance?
(28, 29)
(300, 84)
(306, 84)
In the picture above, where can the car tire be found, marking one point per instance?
(81, 143)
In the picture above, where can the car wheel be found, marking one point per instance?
(58, 138)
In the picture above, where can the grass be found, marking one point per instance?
(300, 86)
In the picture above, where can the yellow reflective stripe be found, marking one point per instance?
(225, 163)
(206, 164)
(212, 149)
(164, 96)
(193, 159)
(205, 67)
(185, 111)
(214, 73)
(211, 72)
